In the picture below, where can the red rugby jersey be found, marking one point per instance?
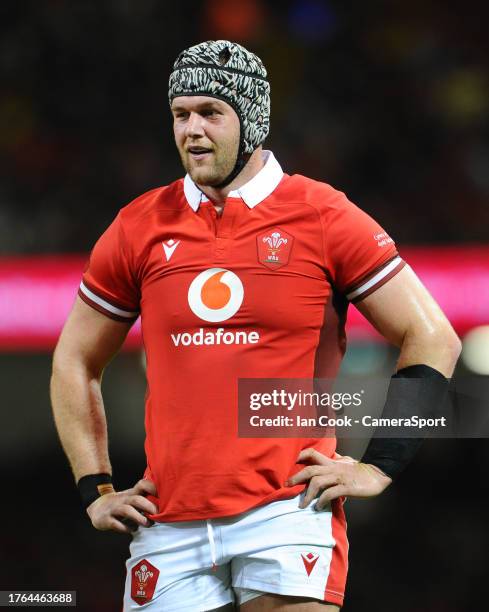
(248, 294)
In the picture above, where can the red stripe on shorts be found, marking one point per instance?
(338, 569)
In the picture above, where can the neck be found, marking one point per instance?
(254, 165)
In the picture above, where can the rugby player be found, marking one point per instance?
(237, 270)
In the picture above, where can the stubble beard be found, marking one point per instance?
(214, 171)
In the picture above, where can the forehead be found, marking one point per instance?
(198, 103)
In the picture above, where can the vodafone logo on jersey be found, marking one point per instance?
(215, 295)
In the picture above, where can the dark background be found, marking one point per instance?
(386, 100)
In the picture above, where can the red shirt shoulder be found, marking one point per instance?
(318, 194)
(112, 280)
(166, 197)
(356, 248)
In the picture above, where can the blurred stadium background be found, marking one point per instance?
(386, 100)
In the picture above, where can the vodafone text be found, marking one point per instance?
(212, 337)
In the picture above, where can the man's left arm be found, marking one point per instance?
(404, 312)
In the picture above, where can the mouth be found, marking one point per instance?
(198, 153)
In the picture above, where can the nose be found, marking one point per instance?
(194, 127)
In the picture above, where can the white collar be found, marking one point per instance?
(252, 193)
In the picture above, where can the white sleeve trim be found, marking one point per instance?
(113, 309)
(375, 279)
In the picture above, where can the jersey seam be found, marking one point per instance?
(329, 275)
(330, 278)
(125, 249)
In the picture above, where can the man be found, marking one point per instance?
(238, 271)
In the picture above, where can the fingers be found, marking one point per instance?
(103, 519)
(131, 515)
(123, 511)
(314, 456)
(316, 485)
(318, 480)
(118, 526)
(329, 495)
(142, 504)
(304, 475)
(345, 459)
(336, 478)
(145, 487)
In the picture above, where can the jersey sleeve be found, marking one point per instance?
(360, 255)
(108, 283)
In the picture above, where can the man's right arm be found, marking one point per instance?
(88, 342)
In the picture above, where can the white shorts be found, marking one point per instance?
(201, 565)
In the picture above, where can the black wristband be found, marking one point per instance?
(93, 486)
(423, 395)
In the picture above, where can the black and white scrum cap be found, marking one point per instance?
(229, 72)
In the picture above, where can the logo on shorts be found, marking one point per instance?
(274, 248)
(215, 295)
(310, 561)
(144, 577)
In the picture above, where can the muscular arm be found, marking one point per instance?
(406, 315)
(88, 342)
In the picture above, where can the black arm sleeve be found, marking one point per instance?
(415, 390)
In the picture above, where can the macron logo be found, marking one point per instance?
(310, 561)
(169, 247)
